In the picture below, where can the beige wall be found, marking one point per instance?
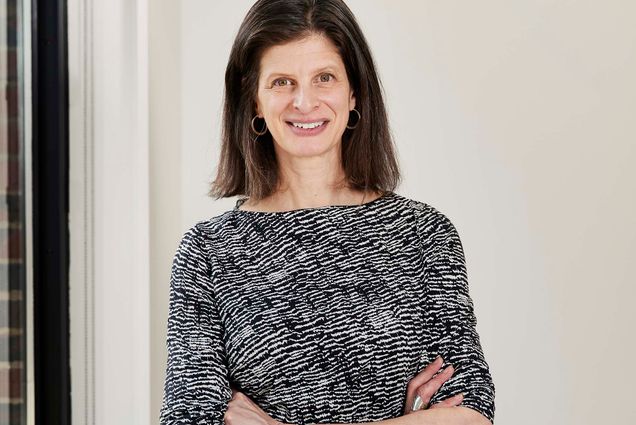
(166, 201)
(517, 120)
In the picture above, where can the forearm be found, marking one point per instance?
(457, 415)
(441, 416)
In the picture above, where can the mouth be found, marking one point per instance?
(307, 129)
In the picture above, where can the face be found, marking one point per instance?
(305, 83)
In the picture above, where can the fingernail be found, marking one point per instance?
(438, 359)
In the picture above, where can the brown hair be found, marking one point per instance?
(247, 165)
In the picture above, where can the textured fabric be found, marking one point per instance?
(320, 315)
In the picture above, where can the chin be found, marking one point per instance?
(306, 148)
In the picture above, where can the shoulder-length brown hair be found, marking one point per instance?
(247, 165)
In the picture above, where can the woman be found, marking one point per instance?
(323, 294)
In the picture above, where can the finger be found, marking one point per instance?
(419, 379)
(449, 402)
(432, 385)
(427, 373)
(428, 389)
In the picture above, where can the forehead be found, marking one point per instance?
(300, 56)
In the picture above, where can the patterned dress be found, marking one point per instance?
(320, 315)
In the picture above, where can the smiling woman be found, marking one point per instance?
(308, 114)
(305, 304)
(303, 62)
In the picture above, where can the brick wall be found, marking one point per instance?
(12, 273)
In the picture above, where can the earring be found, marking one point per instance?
(263, 131)
(357, 122)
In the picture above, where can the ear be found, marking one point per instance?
(257, 109)
(352, 101)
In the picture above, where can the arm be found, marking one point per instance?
(450, 330)
(451, 324)
(439, 416)
(451, 416)
(196, 387)
(449, 316)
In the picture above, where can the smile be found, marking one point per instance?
(308, 125)
(308, 128)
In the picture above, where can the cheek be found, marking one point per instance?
(338, 99)
(276, 105)
(339, 104)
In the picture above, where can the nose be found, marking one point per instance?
(305, 99)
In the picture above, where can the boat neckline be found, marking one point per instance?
(366, 205)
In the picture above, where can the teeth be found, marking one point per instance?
(308, 125)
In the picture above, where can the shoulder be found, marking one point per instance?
(430, 219)
(441, 247)
(200, 239)
(436, 231)
(195, 263)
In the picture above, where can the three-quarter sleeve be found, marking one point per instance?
(196, 389)
(450, 318)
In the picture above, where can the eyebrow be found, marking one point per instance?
(282, 74)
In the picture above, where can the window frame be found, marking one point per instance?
(50, 212)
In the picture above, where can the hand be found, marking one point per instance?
(241, 410)
(424, 385)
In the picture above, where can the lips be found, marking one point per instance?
(306, 121)
(309, 125)
(299, 131)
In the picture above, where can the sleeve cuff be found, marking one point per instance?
(194, 416)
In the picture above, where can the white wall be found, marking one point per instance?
(109, 212)
(514, 118)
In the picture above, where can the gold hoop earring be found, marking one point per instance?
(263, 131)
(357, 122)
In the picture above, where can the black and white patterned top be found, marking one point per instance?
(320, 315)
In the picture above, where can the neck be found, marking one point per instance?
(310, 182)
(313, 182)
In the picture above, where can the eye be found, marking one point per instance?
(322, 80)
(275, 83)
